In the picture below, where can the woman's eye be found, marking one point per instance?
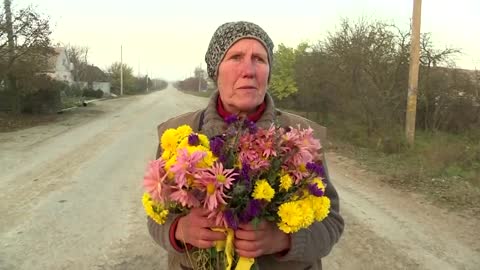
(259, 59)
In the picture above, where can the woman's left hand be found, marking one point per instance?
(264, 239)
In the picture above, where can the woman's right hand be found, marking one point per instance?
(194, 229)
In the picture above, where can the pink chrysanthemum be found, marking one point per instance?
(224, 177)
(266, 142)
(255, 150)
(186, 165)
(214, 195)
(185, 198)
(304, 147)
(153, 180)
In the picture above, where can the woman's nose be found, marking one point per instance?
(247, 68)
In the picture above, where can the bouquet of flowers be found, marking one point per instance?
(247, 174)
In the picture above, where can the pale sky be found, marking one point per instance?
(169, 38)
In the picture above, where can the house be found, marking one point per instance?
(59, 66)
(92, 77)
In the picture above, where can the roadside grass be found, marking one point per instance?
(12, 122)
(443, 167)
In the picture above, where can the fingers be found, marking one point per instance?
(258, 227)
(210, 235)
(249, 254)
(206, 238)
(247, 235)
(195, 230)
(249, 249)
(198, 218)
(247, 245)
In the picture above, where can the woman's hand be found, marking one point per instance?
(266, 238)
(194, 229)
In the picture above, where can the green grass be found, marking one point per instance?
(444, 167)
(68, 102)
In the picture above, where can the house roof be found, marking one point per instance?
(92, 73)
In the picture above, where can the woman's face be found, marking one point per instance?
(243, 76)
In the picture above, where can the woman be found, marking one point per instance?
(239, 60)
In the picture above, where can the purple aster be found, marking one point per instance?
(231, 119)
(252, 127)
(216, 145)
(253, 209)
(230, 218)
(315, 168)
(314, 190)
(245, 171)
(193, 139)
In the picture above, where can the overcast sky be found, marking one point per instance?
(169, 38)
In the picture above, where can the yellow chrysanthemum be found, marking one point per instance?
(183, 132)
(204, 141)
(169, 140)
(318, 181)
(208, 160)
(307, 213)
(263, 190)
(294, 216)
(183, 143)
(154, 210)
(320, 206)
(192, 149)
(286, 182)
(166, 155)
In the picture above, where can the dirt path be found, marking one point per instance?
(71, 199)
(389, 229)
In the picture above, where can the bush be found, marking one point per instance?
(92, 93)
(73, 91)
(44, 95)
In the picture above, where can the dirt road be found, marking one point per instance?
(70, 199)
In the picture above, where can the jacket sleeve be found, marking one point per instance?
(161, 233)
(315, 242)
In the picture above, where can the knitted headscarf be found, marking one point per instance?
(229, 33)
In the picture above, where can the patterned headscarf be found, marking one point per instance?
(229, 33)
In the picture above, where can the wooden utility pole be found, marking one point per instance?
(413, 72)
(121, 70)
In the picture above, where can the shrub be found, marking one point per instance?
(92, 93)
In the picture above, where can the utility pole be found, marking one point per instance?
(121, 70)
(200, 75)
(413, 73)
(146, 78)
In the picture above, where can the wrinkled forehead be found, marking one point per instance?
(246, 45)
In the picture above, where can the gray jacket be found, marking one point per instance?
(308, 246)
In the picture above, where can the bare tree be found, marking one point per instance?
(24, 47)
(78, 56)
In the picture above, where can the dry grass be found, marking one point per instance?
(11, 122)
(443, 167)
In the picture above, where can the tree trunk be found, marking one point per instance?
(11, 80)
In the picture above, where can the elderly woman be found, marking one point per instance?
(239, 60)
